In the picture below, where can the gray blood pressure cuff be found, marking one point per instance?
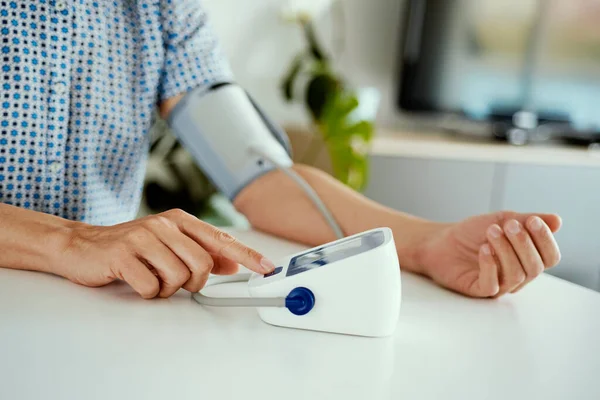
(229, 136)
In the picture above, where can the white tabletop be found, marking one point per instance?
(63, 341)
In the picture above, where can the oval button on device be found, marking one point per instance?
(274, 272)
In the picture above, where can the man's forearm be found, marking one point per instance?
(31, 240)
(276, 205)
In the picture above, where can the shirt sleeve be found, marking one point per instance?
(193, 54)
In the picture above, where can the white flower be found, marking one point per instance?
(297, 10)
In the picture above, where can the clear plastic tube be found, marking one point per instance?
(236, 301)
(314, 197)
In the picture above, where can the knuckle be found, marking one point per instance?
(118, 263)
(519, 277)
(150, 289)
(537, 270)
(139, 235)
(558, 258)
(160, 221)
(201, 267)
(499, 217)
(504, 215)
(222, 236)
(176, 213)
(196, 285)
(504, 288)
(546, 238)
(182, 275)
(121, 251)
(554, 259)
(517, 234)
(549, 250)
(251, 253)
(206, 263)
(540, 270)
(523, 236)
(192, 287)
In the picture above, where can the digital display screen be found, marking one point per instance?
(335, 252)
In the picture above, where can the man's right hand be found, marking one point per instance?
(156, 255)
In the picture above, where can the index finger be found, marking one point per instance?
(221, 243)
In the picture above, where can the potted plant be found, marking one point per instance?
(341, 120)
(341, 116)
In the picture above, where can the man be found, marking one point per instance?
(80, 80)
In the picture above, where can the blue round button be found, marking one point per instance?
(300, 301)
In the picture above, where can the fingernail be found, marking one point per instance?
(267, 265)
(535, 223)
(495, 231)
(486, 249)
(512, 227)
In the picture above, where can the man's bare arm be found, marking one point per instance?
(275, 204)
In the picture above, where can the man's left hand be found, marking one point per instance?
(491, 255)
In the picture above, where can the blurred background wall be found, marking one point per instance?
(260, 45)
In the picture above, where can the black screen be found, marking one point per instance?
(482, 58)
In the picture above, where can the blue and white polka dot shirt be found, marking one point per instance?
(80, 81)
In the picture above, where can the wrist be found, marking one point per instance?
(414, 252)
(425, 253)
(61, 245)
(32, 240)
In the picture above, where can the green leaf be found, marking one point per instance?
(362, 129)
(287, 85)
(313, 42)
(346, 138)
(341, 104)
(348, 167)
(341, 159)
(347, 102)
(320, 90)
(357, 177)
(335, 113)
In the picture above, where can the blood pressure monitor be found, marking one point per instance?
(353, 286)
(350, 286)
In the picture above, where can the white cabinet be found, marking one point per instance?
(573, 193)
(441, 190)
(448, 180)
